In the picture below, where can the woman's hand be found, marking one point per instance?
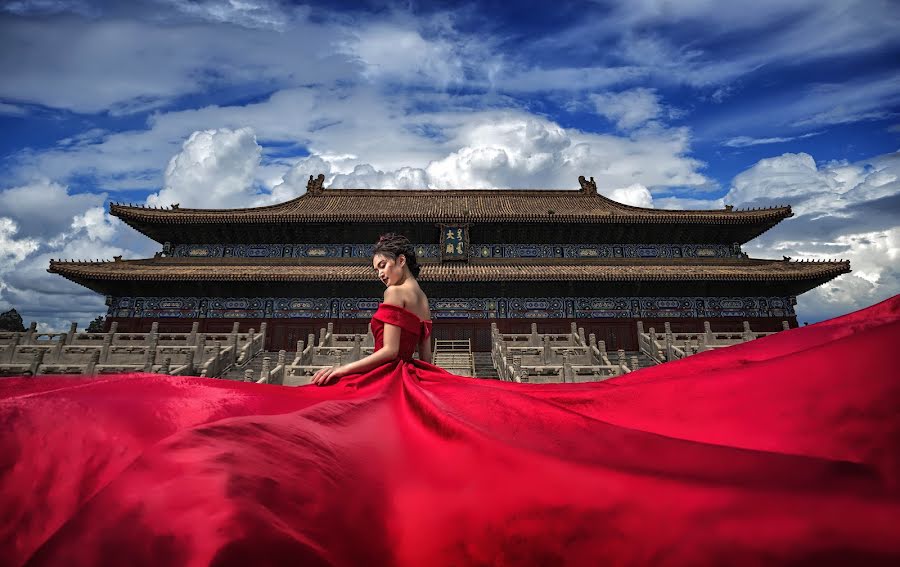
(326, 375)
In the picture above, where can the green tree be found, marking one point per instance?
(97, 325)
(11, 321)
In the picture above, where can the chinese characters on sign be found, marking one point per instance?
(454, 243)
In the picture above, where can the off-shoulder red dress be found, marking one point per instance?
(784, 450)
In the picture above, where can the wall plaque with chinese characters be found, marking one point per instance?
(454, 242)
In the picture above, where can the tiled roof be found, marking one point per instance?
(292, 270)
(451, 205)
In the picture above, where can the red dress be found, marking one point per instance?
(784, 450)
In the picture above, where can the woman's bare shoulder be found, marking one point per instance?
(393, 295)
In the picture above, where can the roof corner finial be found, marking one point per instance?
(317, 185)
(589, 187)
(175, 206)
(729, 207)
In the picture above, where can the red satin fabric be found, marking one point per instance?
(413, 328)
(784, 450)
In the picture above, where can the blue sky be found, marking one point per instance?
(225, 103)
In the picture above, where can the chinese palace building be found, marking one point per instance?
(507, 256)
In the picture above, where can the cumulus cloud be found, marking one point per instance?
(843, 210)
(636, 195)
(518, 150)
(43, 220)
(13, 250)
(365, 176)
(215, 169)
(97, 224)
(293, 183)
(28, 204)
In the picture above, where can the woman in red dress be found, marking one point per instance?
(405, 306)
(783, 450)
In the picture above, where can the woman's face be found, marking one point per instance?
(389, 271)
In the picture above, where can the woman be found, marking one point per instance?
(405, 307)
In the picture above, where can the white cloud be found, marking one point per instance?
(44, 220)
(628, 109)
(719, 44)
(251, 14)
(525, 78)
(843, 210)
(293, 183)
(636, 195)
(404, 55)
(365, 176)
(813, 106)
(784, 177)
(47, 298)
(855, 101)
(13, 250)
(745, 141)
(518, 150)
(502, 150)
(123, 65)
(688, 203)
(28, 204)
(215, 169)
(97, 224)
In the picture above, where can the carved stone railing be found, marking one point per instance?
(74, 352)
(267, 374)
(669, 346)
(334, 349)
(554, 357)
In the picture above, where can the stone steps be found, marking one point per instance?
(484, 367)
(644, 361)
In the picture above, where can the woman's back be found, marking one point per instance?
(414, 299)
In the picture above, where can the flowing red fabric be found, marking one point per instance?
(784, 450)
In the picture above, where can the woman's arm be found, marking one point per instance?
(425, 350)
(386, 353)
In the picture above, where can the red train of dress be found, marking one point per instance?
(784, 450)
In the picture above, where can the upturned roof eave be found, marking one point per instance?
(436, 272)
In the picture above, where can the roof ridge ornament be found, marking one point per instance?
(316, 186)
(589, 187)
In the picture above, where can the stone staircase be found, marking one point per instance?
(454, 356)
(644, 361)
(255, 364)
(484, 367)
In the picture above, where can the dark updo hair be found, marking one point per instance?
(393, 245)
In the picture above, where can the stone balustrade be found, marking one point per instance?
(74, 352)
(554, 358)
(668, 346)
